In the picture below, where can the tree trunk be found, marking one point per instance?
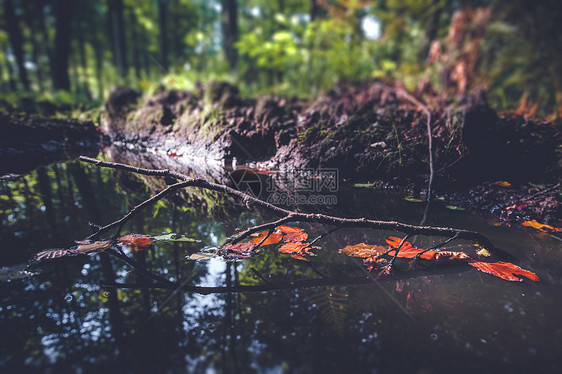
(135, 42)
(11, 80)
(84, 63)
(230, 31)
(61, 53)
(16, 40)
(30, 17)
(313, 9)
(163, 21)
(118, 36)
(98, 53)
(43, 30)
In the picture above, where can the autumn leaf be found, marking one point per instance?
(242, 248)
(363, 250)
(95, 247)
(292, 247)
(289, 229)
(299, 257)
(449, 256)
(408, 250)
(50, 254)
(413, 199)
(540, 226)
(504, 270)
(201, 256)
(137, 241)
(274, 238)
(296, 237)
(503, 184)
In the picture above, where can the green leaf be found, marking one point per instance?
(413, 199)
(452, 207)
(364, 185)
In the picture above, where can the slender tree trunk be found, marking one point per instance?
(118, 36)
(313, 9)
(98, 53)
(16, 40)
(135, 42)
(84, 63)
(11, 80)
(163, 21)
(43, 31)
(30, 17)
(230, 31)
(61, 53)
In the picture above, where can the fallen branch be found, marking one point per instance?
(286, 215)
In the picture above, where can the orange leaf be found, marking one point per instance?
(446, 256)
(289, 229)
(299, 257)
(505, 270)
(241, 247)
(407, 250)
(293, 247)
(137, 240)
(502, 184)
(295, 237)
(363, 250)
(540, 226)
(274, 238)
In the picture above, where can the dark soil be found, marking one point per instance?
(368, 132)
(27, 142)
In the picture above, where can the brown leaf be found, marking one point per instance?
(242, 248)
(448, 256)
(274, 238)
(137, 241)
(296, 237)
(50, 254)
(292, 247)
(95, 247)
(299, 257)
(408, 250)
(289, 229)
(504, 270)
(363, 250)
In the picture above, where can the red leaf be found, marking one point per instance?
(299, 257)
(139, 241)
(293, 248)
(505, 270)
(274, 238)
(242, 248)
(174, 154)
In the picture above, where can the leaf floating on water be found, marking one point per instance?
(292, 247)
(453, 207)
(274, 238)
(299, 257)
(483, 252)
(289, 229)
(364, 185)
(363, 250)
(504, 270)
(173, 237)
(95, 247)
(15, 272)
(50, 254)
(541, 226)
(242, 248)
(503, 184)
(449, 256)
(296, 237)
(137, 241)
(201, 256)
(413, 199)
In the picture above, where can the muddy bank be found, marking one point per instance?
(27, 142)
(368, 132)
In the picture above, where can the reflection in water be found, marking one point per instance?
(67, 318)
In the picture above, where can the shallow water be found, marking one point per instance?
(67, 318)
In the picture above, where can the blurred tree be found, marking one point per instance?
(117, 35)
(16, 40)
(61, 51)
(230, 31)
